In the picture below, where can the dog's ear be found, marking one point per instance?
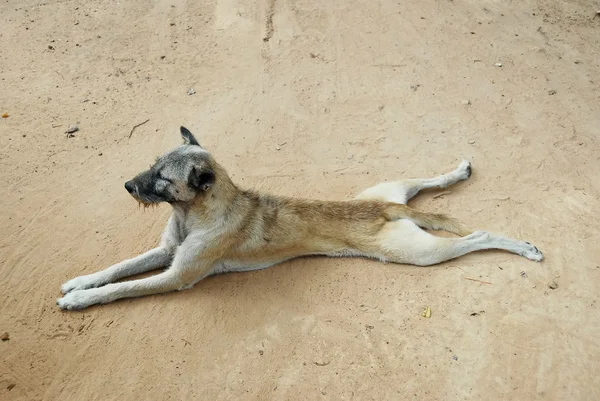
(188, 138)
(201, 178)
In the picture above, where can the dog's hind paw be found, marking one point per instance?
(464, 170)
(532, 253)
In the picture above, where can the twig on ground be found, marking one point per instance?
(135, 126)
(474, 279)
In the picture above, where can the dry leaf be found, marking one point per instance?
(427, 312)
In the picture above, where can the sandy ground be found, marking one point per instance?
(312, 98)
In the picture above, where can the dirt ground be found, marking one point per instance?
(306, 98)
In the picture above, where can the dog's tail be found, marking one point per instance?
(431, 221)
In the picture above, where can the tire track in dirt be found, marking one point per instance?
(269, 13)
(15, 374)
(65, 372)
(23, 233)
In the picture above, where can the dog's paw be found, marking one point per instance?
(79, 283)
(532, 253)
(464, 170)
(76, 300)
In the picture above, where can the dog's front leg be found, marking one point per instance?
(153, 259)
(189, 266)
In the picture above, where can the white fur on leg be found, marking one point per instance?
(481, 240)
(187, 268)
(163, 282)
(402, 191)
(521, 248)
(402, 241)
(153, 259)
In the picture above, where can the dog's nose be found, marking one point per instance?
(129, 186)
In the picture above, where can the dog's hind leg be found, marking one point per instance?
(402, 241)
(153, 259)
(402, 191)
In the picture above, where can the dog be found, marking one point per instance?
(216, 227)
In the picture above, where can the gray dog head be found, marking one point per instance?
(177, 176)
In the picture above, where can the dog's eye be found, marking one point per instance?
(160, 177)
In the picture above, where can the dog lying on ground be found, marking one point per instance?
(217, 227)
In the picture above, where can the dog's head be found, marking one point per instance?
(177, 176)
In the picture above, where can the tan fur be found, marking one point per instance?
(265, 228)
(217, 227)
(430, 221)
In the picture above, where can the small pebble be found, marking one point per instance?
(466, 102)
(498, 64)
(552, 92)
(261, 352)
(191, 91)
(5, 337)
(523, 274)
(72, 128)
(553, 285)
(471, 142)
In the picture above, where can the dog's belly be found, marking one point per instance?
(243, 266)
